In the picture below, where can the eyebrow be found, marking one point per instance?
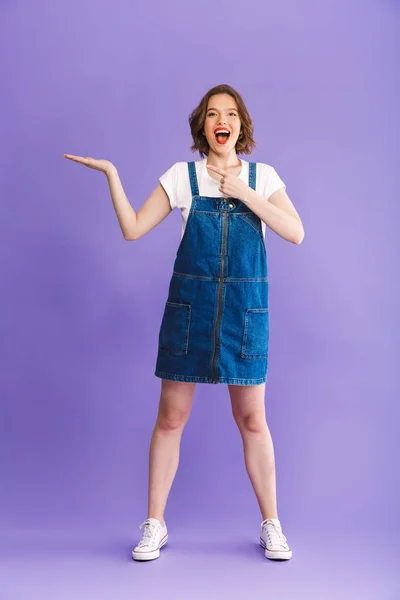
(211, 108)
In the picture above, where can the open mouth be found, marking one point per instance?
(222, 137)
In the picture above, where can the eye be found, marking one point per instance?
(210, 114)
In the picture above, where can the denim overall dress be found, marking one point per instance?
(215, 326)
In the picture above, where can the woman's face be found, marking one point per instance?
(222, 114)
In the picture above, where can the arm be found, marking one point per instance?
(133, 224)
(278, 213)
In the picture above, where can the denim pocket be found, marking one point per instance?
(254, 221)
(256, 333)
(174, 330)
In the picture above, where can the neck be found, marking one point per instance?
(229, 160)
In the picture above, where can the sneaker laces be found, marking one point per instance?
(149, 533)
(275, 534)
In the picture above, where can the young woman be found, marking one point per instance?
(215, 326)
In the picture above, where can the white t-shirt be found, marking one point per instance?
(176, 183)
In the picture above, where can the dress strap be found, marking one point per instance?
(193, 179)
(252, 175)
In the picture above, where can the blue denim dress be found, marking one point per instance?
(215, 326)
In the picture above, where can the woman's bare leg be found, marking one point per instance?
(174, 409)
(248, 410)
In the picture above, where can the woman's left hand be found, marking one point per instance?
(231, 185)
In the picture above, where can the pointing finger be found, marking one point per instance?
(217, 170)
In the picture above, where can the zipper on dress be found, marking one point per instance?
(214, 377)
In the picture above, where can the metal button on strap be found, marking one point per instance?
(231, 205)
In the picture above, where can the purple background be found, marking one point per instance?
(81, 307)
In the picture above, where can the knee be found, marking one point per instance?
(172, 421)
(251, 423)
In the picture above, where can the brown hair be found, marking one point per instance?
(245, 143)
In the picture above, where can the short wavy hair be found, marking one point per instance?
(245, 143)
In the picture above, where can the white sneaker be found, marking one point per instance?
(154, 537)
(273, 540)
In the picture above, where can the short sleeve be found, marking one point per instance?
(169, 181)
(272, 182)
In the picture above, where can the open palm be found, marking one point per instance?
(93, 163)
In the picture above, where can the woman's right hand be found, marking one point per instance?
(105, 166)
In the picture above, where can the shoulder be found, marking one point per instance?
(178, 166)
(175, 171)
(269, 179)
(265, 169)
(269, 175)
